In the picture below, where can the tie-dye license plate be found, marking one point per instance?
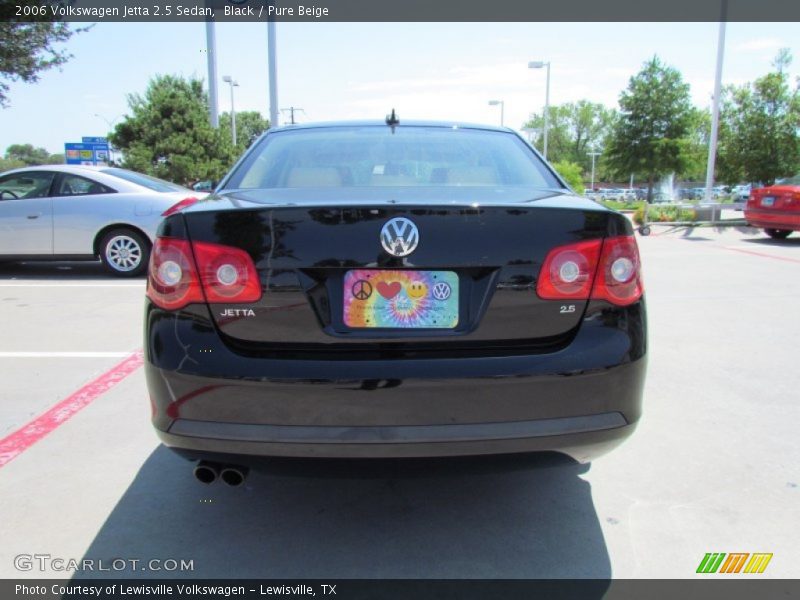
(401, 299)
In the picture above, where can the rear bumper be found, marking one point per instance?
(777, 219)
(581, 400)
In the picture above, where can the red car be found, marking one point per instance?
(776, 208)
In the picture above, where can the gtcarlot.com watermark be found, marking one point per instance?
(48, 563)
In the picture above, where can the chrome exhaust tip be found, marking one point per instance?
(234, 476)
(206, 472)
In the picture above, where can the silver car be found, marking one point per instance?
(66, 212)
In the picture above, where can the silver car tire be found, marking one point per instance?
(125, 252)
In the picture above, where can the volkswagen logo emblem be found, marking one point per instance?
(399, 236)
(441, 291)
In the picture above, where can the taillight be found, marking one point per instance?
(172, 280)
(607, 269)
(228, 274)
(568, 271)
(186, 202)
(182, 273)
(619, 276)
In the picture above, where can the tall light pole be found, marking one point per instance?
(211, 50)
(109, 123)
(531, 131)
(502, 105)
(538, 64)
(712, 142)
(273, 73)
(593, 155)
(233, 83)
(110, 127)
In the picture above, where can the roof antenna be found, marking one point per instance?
(392, 120)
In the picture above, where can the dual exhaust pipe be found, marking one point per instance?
(208, 472)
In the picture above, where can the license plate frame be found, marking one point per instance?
(768, 201)
(398, 299)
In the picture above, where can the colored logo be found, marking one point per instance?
(735, 562)
(399, 236)
(362, 289)
(442, 291)
(389, 290)
(416, 289)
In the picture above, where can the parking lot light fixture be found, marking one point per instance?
(593, 155)
(110, 124)
(232, 83)
(538, 64)
(502, 104)
(530, 131)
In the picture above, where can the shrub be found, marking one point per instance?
(669, 213)
(571, 172)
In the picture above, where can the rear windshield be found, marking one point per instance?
(152, 183)
(376, 157)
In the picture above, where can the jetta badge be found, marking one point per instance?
(399, 236)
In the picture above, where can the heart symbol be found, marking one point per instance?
(388, 290)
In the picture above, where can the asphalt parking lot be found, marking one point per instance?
(713, 467)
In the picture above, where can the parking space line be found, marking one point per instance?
(754, 253)
(16, 443)
(64, 354)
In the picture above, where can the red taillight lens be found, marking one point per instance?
(179, 206)
(182, 273)
(568, 271)
(228, 274)
(619, 277)
(598, 269)
(172, 280)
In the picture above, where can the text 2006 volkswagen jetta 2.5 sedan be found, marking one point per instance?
(393, 289)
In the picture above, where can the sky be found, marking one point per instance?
(335, 71)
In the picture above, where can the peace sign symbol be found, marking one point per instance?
(362, 289)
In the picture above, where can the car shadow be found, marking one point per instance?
(768, 241)
(506, 517)
(59, 270)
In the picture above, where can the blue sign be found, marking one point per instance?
(86, 153)
(94, 140)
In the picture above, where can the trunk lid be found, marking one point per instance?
(303, 252)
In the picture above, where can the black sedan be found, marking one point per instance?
(392, 289)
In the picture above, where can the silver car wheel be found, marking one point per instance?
(123, 253)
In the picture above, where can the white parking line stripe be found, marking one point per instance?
(64, 354)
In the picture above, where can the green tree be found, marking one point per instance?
(6, 164)
(695, 145)
(249, 125)
(572, 174)
(759, 128)
(168, 133)
(30, 47)
(650, 135)
(27, 154)
(575, 129)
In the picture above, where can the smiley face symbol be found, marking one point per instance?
(416, 289)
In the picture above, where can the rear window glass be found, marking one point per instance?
(376, 157)
(152, 183)
(75, 185)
